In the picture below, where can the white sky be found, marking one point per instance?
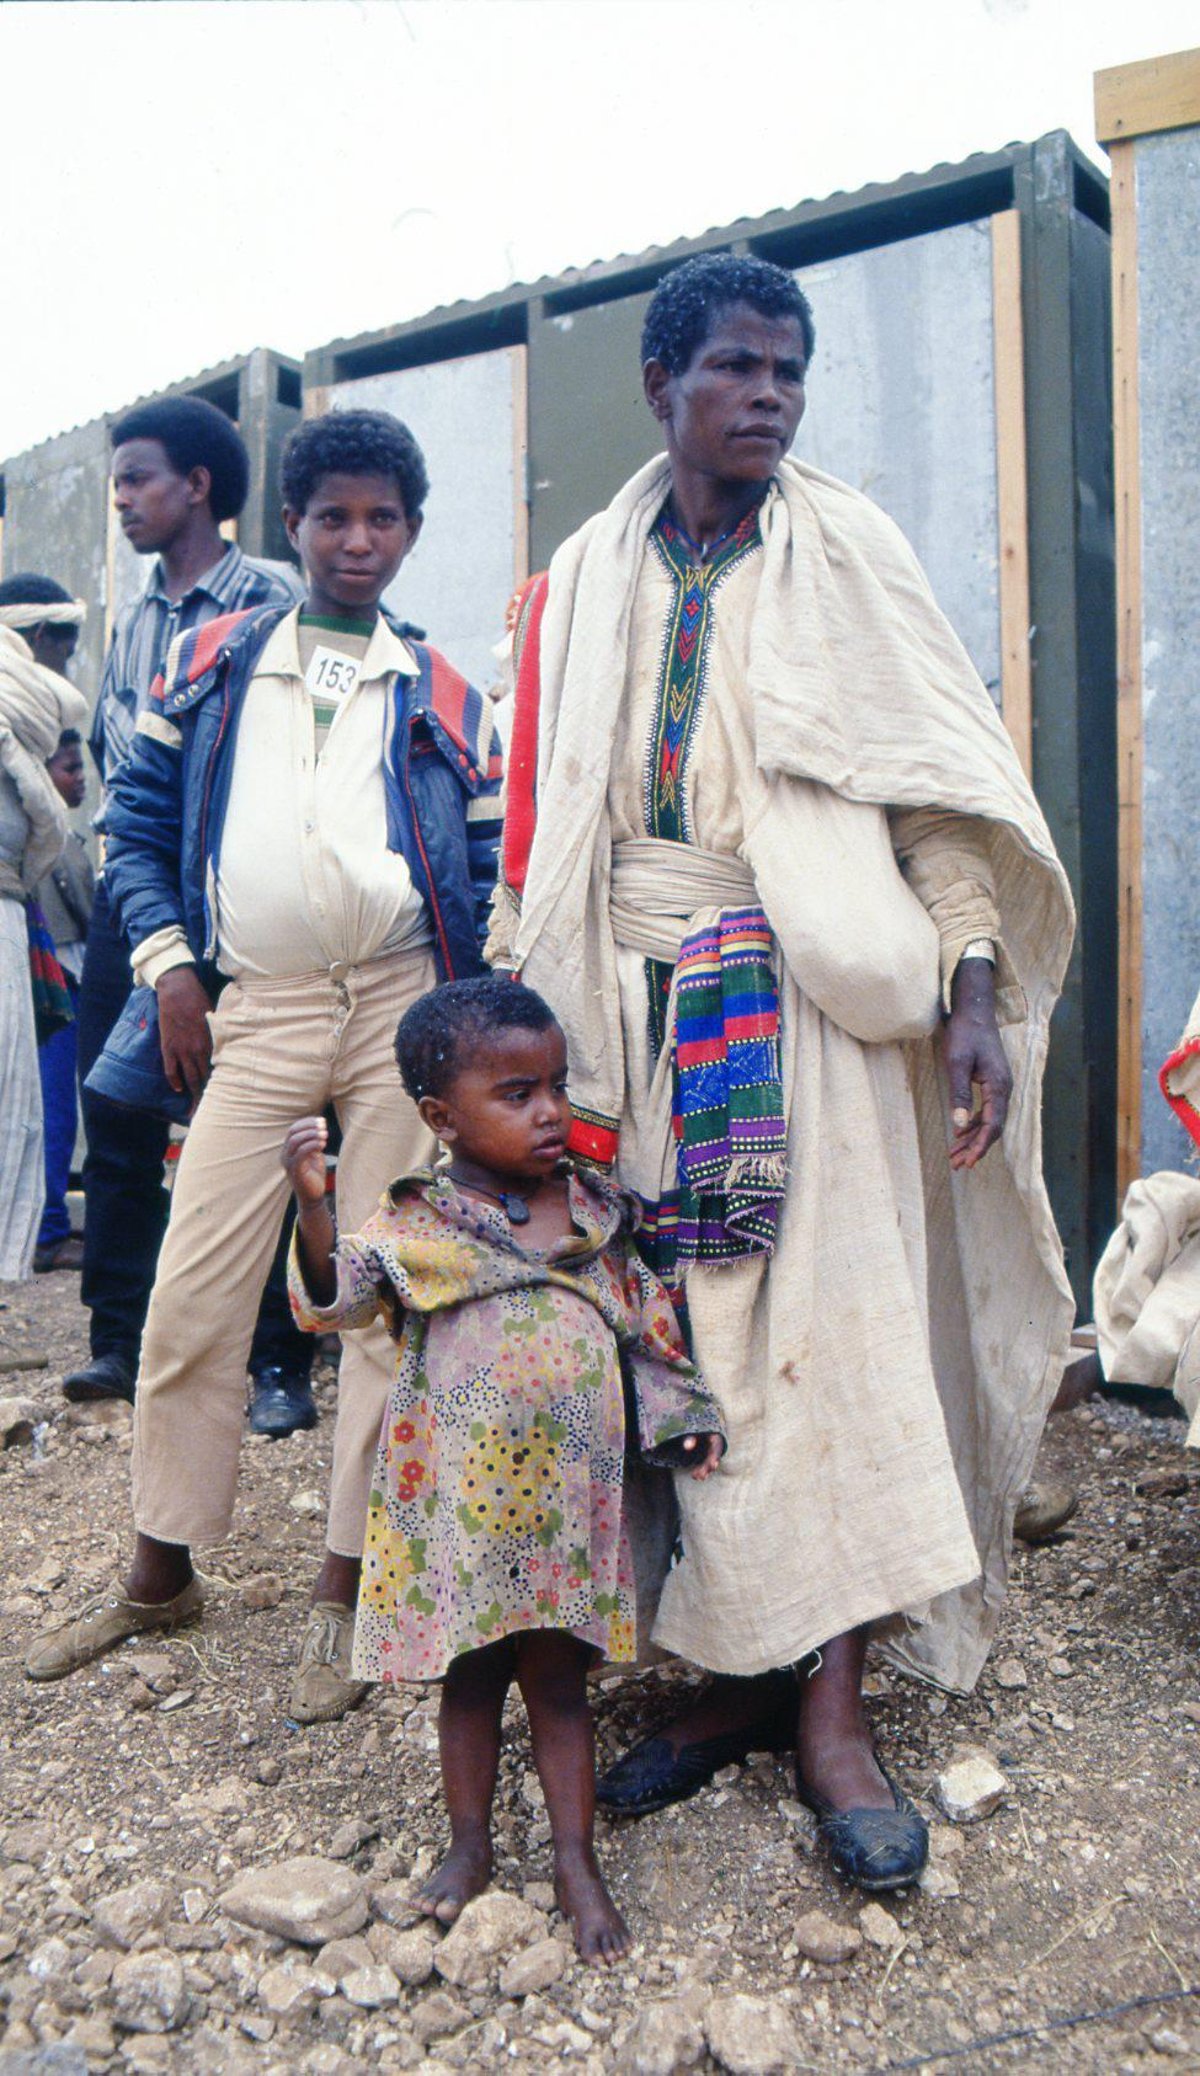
(180, 182)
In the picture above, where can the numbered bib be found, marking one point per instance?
(331, 678)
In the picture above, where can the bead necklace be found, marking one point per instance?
(514, 1207)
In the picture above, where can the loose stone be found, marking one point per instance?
(821, 1938)
(971, 1788)
(306, 1899)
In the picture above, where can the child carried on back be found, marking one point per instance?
(497, 1547)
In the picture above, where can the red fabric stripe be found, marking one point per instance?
(763, 1024)
(700, 1052)
(520, 817)
(208, 643)
(594, 1142)
(448, 698)
(1184, 1110)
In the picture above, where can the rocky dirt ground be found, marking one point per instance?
(152, 1797)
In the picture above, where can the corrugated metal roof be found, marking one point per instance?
(841, 203)
(208, 378)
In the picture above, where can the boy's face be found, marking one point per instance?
(507, 1109)
(154, 503)
(352, 538)
(66, 770)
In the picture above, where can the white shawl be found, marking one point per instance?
(863, 699)
(35, 706)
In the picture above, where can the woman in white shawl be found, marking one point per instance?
(39, 626)
(771, 856)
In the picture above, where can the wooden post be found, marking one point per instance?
(1132, 101)
(1012, 497)
(1129, 669)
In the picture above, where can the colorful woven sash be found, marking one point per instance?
(52, 1006)
(728, 1117)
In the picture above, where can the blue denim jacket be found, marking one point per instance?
(166, 815)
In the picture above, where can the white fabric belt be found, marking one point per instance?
(659, 887)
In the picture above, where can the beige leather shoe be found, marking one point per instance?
(106, 1621)
(323, 1689)
(1045, 1508)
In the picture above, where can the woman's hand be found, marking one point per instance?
(975, 1055)
(304, 1158)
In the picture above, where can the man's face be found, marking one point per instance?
(153, 502)
(732, 414)
(352, 538)
(53, 647)
(66, 770)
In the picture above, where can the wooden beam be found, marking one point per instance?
(1129, 667)
(1156, 94)
(1012, 495)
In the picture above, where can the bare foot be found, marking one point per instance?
(465, 1872)
(601, 1933)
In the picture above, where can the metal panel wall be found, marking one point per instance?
(901, 405)
(1168, 295)
(589, 424)
(53, 494)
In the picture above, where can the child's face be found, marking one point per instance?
(351, 537)
(66, 770)
(508, 1109)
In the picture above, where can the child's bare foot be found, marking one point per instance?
(465, 1872)
(601, 1933)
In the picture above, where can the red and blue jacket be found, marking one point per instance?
(442, 774)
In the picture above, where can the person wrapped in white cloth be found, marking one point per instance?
(39, 626)
(749, 756)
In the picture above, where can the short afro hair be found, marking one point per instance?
(685, 304)
(435, 1036)
(28, 589)
(353, 443)
(195, 435)
(66, 741)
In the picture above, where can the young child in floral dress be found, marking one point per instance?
(497, 1546)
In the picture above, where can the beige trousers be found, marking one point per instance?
(281, 1050)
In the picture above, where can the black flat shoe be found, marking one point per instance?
(111, 1375)
(872, 1848)
(281, 1404)
(651, 1775)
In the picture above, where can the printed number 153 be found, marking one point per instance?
(336, 674)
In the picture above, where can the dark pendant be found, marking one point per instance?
(516, 1210)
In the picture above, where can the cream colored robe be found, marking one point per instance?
(886, 1375)
(1146, 1292)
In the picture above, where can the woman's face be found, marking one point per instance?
(732, 414)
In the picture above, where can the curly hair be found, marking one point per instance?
(433, 1036)
(196, 436)
(353, 443)
(26, 589)
(684, 306)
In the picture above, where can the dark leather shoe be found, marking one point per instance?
(61, 1254)
(873, 1848)
(111, 1375)
(281, 1404)
(651, 1775)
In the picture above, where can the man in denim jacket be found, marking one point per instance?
(308, 827)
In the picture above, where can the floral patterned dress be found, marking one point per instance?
(497, 1499)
